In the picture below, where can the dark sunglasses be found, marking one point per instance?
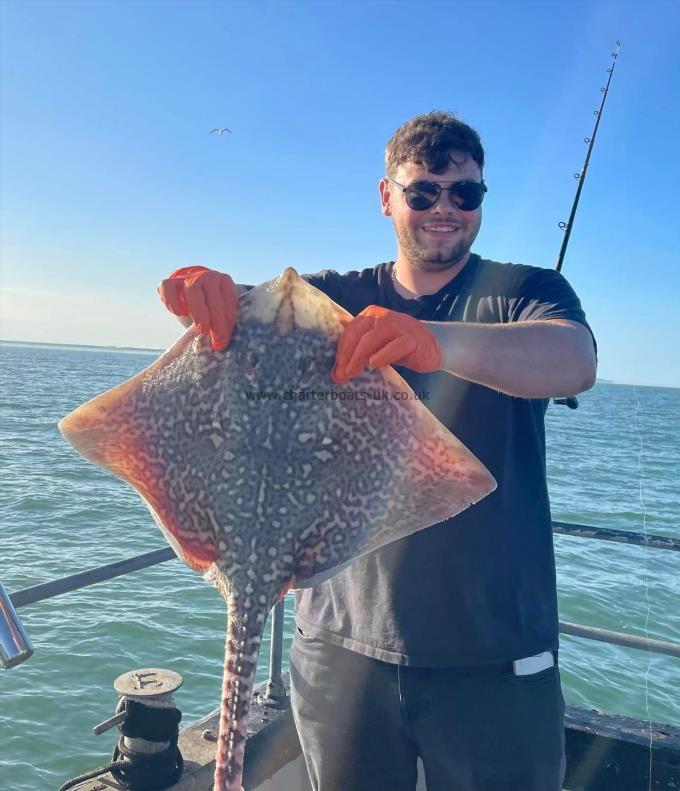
(422, 195)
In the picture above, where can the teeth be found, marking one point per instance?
(440, 229)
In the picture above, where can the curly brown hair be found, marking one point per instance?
(429, 140)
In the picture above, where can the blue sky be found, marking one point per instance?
(110, 178)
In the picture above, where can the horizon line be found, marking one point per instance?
(599, 380)
(85, 345)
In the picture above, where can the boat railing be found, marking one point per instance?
(15, 646)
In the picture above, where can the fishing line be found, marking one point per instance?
(646, 577)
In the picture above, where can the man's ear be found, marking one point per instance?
(385, 197)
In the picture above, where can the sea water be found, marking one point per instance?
(613, 462)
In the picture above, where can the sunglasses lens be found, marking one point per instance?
(422, 195)
(468, 194)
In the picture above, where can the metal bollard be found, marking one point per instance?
(138, 754)
(141, 761)
(152, 686)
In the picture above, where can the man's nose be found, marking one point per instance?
(446, 203)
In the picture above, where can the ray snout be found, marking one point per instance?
(290, 303)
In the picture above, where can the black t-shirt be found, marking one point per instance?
(478, 588)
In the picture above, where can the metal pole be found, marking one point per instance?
(620, 536)
(84, 578)
(15, 644)
(618, 638)
(581, 176)
(274, 691)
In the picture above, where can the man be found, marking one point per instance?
(441, 646)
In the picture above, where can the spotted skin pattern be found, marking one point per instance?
(263, 474)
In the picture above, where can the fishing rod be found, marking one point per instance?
(572, 401)
(581, 175)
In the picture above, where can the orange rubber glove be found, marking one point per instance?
(209, 297)
(377, 337)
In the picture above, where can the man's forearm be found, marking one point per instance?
(528, 359)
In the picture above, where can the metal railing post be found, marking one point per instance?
(15, 645)
(275, 691)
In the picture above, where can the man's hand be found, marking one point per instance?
(378, 337)
(207, 296)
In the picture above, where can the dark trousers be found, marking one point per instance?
(363, 723)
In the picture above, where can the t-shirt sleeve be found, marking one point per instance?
(329, 281)
(546, 294)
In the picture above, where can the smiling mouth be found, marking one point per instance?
(441, 228)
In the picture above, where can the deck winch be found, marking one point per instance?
(146, 756)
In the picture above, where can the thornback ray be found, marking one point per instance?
(265, 475)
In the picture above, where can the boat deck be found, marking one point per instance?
(604, 753)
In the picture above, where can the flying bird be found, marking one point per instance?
(221, 131)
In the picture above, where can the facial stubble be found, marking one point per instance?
(433, 260)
